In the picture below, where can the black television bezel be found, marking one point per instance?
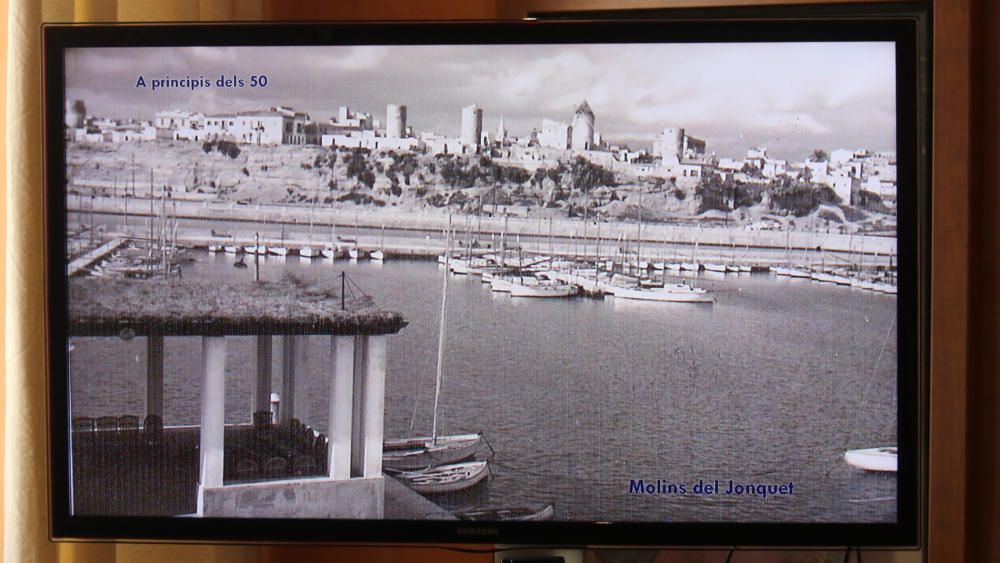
(908, 24)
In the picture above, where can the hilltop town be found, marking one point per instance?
(282, 156)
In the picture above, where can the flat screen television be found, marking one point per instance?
(631, 282)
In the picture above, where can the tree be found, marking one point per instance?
(819, 155)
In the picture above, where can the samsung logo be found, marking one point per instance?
(471, 531)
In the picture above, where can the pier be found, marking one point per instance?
(244, 219)
(85, 260)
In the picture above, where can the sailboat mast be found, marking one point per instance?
(638, 238)
(440, 358)
(597, 252)
(503, 247)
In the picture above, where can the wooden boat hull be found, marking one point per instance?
(446, 478)
(873, 459)
(500, 285)
(419, 453)
(667, 294)
(542, 291)
(519, 514)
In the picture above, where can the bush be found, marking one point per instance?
(872, 202)
(586, 175)
(799, 198)
(713, 191)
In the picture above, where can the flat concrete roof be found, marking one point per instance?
(176, 307)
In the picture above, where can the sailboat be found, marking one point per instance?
(434, 451)
(332, 251)
(281, 250)
(308, 251)
(693, 266)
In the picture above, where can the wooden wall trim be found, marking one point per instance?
(949, 283)
(983, 510)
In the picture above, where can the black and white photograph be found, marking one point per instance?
(619, 282)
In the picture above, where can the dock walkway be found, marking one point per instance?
(88, 258)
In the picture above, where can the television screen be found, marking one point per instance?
(647, 282)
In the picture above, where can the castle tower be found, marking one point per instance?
(672, 145)
(583, 128)
(501, 132)
(395, 121)
(472, 125)
(76, 114)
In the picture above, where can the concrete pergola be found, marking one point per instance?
(353, 486)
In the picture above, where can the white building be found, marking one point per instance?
(555, 134)
(841, 155)
(353, 120)
(730, 164)
(178, 119)
(773, 168)
(843, 186)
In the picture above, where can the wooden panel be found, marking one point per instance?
(279, 10)
(949, 283)
(983, 532)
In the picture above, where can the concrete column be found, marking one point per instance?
(374, 405)
(213, 401)
(300, 382)
(262, 391)
(341, 403)
(287, 410)
(154, 375)
(357, 407)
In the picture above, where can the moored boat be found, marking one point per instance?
(423, 452)
(308, 252)
(444, 478)
(500, 285)
(676, 293)
(519, 514)
(542, 290)
(882, 459)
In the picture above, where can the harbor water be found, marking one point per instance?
(581, 398)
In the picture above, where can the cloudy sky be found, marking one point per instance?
(789, 98)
